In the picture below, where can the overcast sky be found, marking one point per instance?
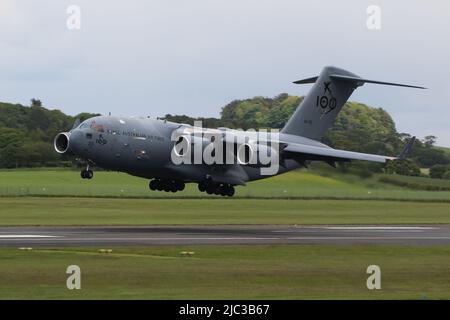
(193, 57)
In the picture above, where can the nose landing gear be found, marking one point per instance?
(87, 173)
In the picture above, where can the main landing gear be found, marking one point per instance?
(166, 185)
(222, 189)
(87, 173)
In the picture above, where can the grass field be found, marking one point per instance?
(228, 272)
(60, 197)
(100, 211)
(297, 184)
(420, 183)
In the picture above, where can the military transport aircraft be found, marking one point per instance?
(161, 150)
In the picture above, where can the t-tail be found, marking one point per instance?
(318, 110)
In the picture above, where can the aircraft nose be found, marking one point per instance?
(68, 142)
(75, 141)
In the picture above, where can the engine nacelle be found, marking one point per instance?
(61, 142)
(255, 155)
(245, 154)
(248, 154)
(182, 146)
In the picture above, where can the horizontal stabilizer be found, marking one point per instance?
(359, 81)
(308, 80)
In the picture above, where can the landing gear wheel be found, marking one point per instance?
(153, 185)
(87, 174)
(230, 191)
(166, 186)
(173, 187)
(223, 189)
(202, 187)
(210, 189)
(179, 185)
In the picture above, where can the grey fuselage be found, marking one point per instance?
(142, 147)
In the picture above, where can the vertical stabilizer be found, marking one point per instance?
(317, 111)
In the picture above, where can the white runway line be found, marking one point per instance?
(20, 236)
(378, 228)
(360, 228)
(242, 239)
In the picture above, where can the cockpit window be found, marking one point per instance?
(84, 125)
(96, 126)
(92, 124)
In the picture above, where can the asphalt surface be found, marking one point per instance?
(230, 234)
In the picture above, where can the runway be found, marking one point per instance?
(222, 235)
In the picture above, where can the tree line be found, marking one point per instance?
(27, 132)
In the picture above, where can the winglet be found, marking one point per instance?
(407, 149)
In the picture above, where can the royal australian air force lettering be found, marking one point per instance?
(136, 135)
(143, 136)
(129, 143)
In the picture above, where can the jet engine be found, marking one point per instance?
(61, 142)
(254, 155)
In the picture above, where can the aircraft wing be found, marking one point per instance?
(307, 152)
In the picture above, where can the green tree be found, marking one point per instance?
(429, 141)
(438, 171)
(26, 134)
(405, 167)
(428, 156)
(364, 129)
(358, 127)
(11, 141)
(36, 103)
